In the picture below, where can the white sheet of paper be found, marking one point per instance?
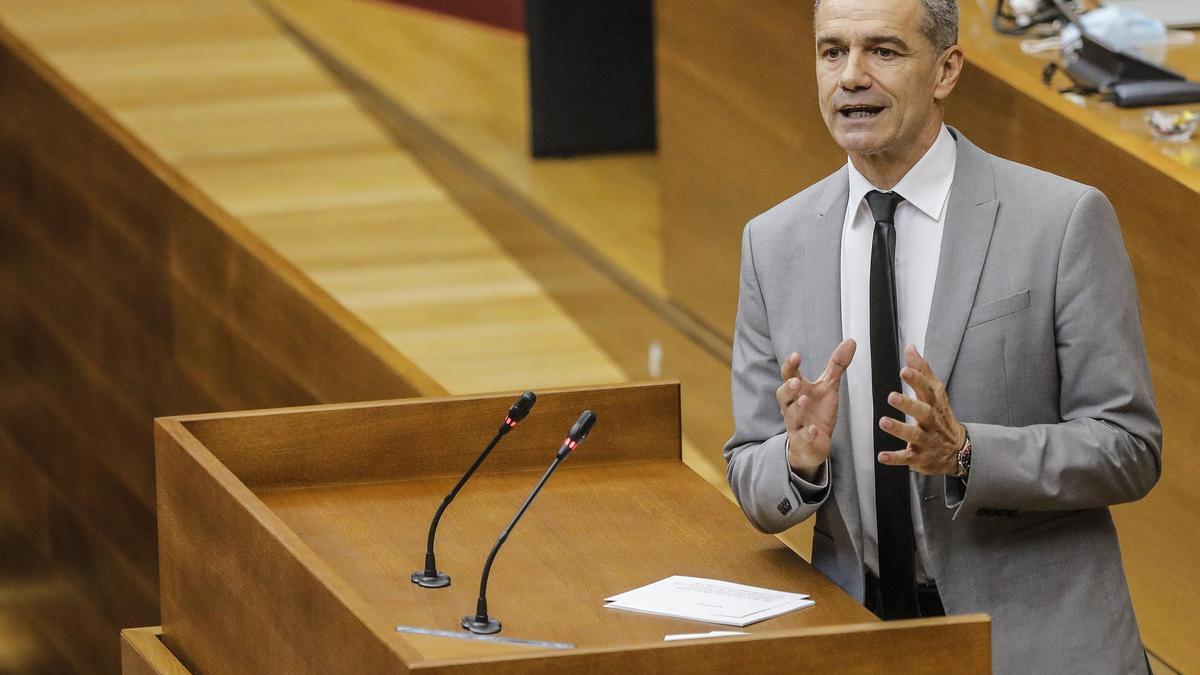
(709, 600)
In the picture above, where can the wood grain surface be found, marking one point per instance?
(594, 531)
(928, 645)
(49, 623)
(340, 253)
(405, 440)
(128, 294)
(461, 117)
(239, 592)
(739, 132)
(218, 559)
(476, 94)
(315, 577)
(143, 653)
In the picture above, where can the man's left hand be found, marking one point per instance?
(935, 435)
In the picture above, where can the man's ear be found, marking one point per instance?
(950, 66)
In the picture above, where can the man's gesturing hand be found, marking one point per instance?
(935, 436)
(810, 409)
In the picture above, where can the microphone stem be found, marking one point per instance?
(487, 567)
(504, 429)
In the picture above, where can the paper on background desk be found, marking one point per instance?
(709, 600)
(699, 636)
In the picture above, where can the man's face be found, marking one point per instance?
(877, 75)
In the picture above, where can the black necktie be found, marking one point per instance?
(897, 576)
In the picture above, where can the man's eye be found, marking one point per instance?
(885, 53)
(832, 53)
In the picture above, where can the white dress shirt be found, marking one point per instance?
(919, 222)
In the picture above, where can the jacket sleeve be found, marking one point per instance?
(1107, 449)
(758, 472)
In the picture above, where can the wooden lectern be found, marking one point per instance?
(287, 537)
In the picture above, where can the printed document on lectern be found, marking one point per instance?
(709, 600)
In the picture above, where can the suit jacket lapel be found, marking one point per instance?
(822, 304)
(969, 223)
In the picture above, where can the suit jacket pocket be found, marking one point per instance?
(1051, 521)
(995, 309)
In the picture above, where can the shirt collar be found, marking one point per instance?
(926, 185)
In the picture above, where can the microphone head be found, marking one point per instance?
(521, 408)
(582, 426)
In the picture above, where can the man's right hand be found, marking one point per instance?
(810, 409)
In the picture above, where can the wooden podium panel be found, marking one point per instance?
(143, 653)
(287, 538)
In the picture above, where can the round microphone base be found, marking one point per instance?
(486, 627)
(436, 580)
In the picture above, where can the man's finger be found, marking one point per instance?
(920, 410)
(910, 433)
(842, 355)
(790, 367)
(923, 385)
(813, 439)
(801, 406)
(796, 414)
(896, 457)
(787, 392)
(914, 360)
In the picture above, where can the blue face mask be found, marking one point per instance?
(1123, 29)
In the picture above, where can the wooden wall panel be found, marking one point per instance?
(126, 295)
(43, 426)
(209, 352)
(90, 327)
(740, 132)
(49, 550)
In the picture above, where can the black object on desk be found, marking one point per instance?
(1101, 67)
(1155, 92)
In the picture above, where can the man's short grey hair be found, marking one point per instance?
(939, 25)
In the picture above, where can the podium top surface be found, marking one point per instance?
(593, 532)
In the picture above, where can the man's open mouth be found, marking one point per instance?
(860, 111)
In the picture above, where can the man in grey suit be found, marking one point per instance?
(977, 474)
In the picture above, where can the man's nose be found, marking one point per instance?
(855, 73)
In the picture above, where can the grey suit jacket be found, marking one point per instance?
(1035, 329)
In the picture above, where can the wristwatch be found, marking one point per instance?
(964, 456)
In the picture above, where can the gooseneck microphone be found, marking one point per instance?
(481, 622)
(430, 577)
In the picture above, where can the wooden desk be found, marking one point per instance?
(740, 132)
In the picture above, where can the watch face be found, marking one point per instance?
(964, 459)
